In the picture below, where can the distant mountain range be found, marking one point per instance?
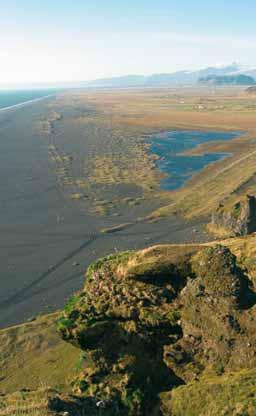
(180, 78)
(239, 79)
(172, 79)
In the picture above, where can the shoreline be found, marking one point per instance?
(24, 103)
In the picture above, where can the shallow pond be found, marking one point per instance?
(171, 145)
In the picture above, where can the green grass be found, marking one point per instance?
(113, 260)
(33, 355)
(232, 394)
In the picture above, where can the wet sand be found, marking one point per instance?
(47, 239)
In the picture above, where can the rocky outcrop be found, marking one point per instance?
(210, 307)
(237, 218)
(121, 322)
(169, 330)
(251, 90)
(144, 329)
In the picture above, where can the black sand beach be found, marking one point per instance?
(47, 238)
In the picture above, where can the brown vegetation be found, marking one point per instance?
(122, 119)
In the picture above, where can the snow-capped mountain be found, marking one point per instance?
(173, 78)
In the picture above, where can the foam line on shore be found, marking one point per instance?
(24, 103)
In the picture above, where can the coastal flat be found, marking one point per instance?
(79, 183)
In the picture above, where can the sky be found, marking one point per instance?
(63, 40)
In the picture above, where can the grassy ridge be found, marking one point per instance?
(22, 345)
(231, 394)
(32, 355)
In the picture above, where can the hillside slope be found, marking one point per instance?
(150, 329)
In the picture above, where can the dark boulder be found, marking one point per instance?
(236, 217)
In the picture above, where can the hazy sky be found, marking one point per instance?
(63, 40)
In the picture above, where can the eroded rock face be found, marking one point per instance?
(216, 307)
(238, 218)
(146, 329)
(121, 322)
(210, 302)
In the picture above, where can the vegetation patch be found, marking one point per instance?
(231, 394)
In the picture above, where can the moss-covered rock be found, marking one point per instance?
(235, 217)
(122, 320)
(169, 330)
(146, 327)
(215, 307)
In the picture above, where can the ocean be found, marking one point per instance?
(9, 98)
